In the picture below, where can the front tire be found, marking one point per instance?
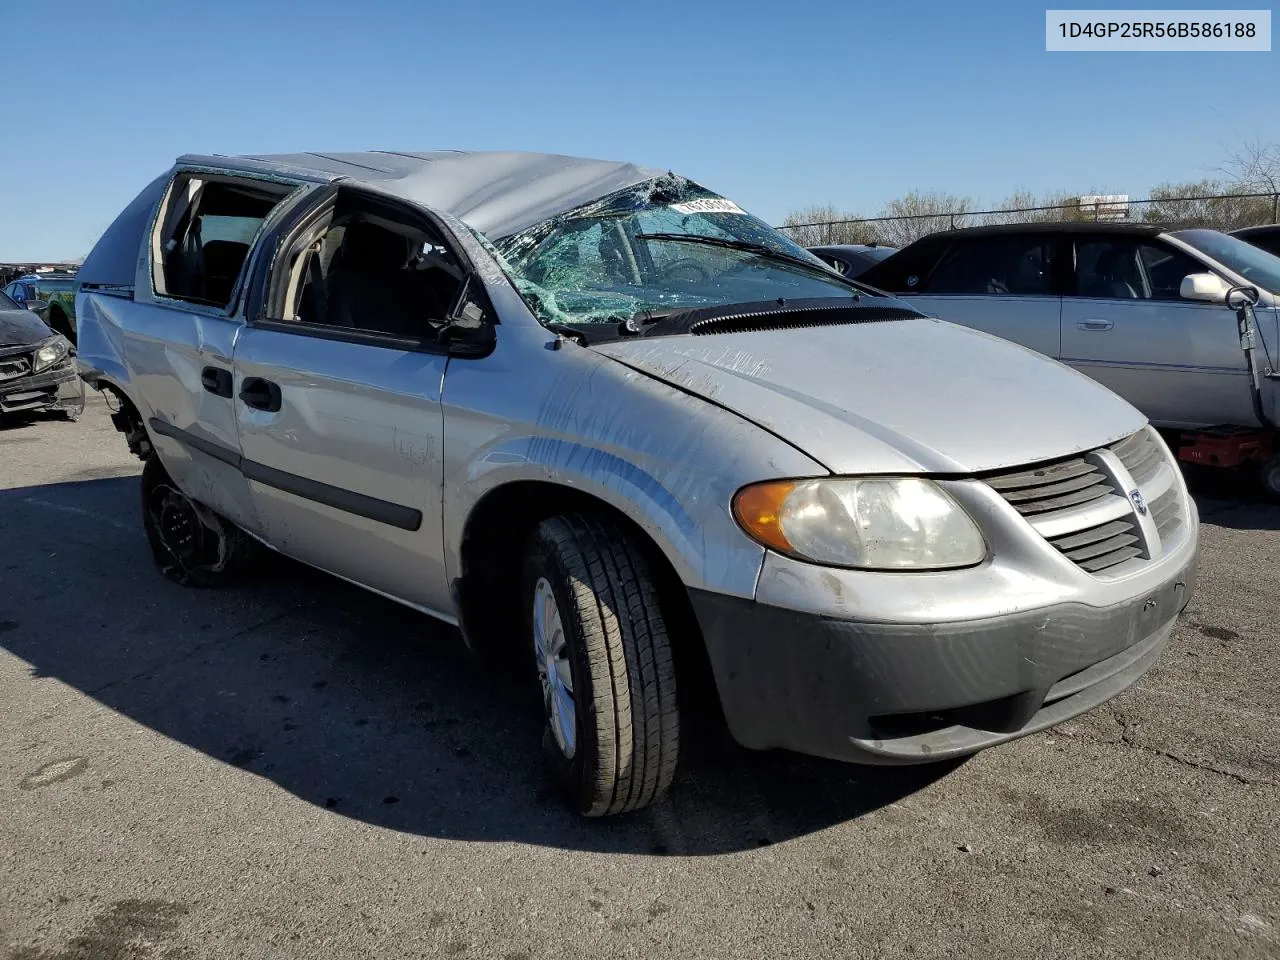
(604, 664)
(191, 544)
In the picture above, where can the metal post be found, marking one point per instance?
(1275, 208)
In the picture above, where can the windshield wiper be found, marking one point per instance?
(759, 249)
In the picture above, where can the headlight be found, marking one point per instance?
(55, 351)
(878, 523)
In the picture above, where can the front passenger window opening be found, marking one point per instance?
(364, 268)
(204, 233)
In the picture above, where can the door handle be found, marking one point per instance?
(1094, 324)
(260, 394)
(217, 381)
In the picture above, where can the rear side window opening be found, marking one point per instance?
(204, 232)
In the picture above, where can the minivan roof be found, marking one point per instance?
(497, 193)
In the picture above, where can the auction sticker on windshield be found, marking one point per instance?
(708, 205)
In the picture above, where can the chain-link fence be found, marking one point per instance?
(1220, 212)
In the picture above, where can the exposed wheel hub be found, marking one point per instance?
(181, 530)
(551, 648)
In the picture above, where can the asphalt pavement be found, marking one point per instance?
(297, 768)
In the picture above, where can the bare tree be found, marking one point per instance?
(1253, 167)
(919, 214)
(1204, 203)
(1023, 206)
(823, 224)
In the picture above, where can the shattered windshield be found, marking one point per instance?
(661, 246)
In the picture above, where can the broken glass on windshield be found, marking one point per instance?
(658, 247)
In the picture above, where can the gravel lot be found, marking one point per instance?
(297, 768)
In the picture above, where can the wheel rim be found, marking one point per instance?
(551, 647)
(181, 531)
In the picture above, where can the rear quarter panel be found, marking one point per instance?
(154, 356)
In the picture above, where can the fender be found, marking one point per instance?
(575, 418)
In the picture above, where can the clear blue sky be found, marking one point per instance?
(777, 105)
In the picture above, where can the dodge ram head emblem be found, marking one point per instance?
(1139, 502)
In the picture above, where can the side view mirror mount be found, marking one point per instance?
(35, 306)
(1242, 296)
(1207, 287)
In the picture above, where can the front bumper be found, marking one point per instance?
(899, 693)
(57, 389)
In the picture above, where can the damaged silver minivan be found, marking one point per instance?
(606, 421)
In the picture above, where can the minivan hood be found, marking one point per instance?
(900, 396)
(21, 327)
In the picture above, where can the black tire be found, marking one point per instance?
(191, 544)
(626, 721)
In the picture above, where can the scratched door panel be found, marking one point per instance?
(346, 472)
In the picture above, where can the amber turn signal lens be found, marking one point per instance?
(758, 510)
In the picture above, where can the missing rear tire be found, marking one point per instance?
(191, 544)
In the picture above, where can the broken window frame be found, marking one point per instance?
(170, 213)
(277, 277)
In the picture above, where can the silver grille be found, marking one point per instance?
(1140, 455)
(1100, 547)
(1165, 513)
(1052, 487)
(1085, 508)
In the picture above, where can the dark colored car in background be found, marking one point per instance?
(37, 366)
(851, 259)
(1267, 237)
(52, 295)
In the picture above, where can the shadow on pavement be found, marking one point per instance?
(356, 704)
(13, 423)
(1232, 498)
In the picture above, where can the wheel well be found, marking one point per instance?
(126, 419)
(492, 551)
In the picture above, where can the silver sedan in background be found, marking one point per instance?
(1139, 308)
